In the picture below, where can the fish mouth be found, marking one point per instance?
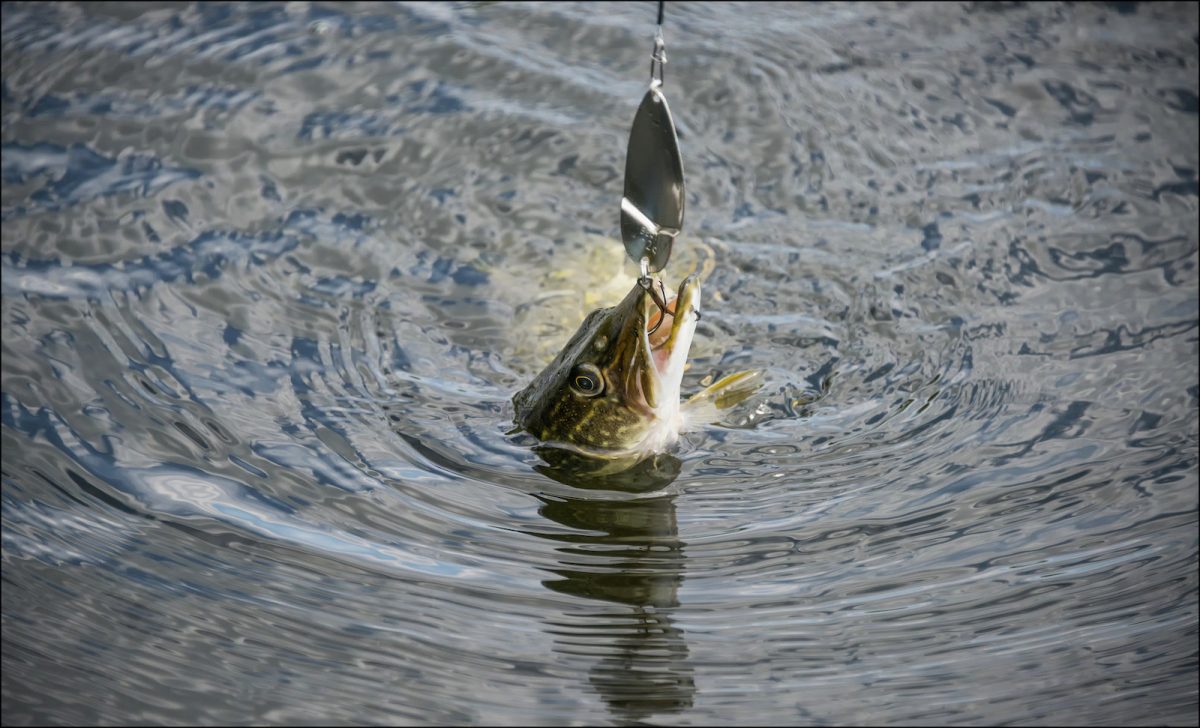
(665, 333)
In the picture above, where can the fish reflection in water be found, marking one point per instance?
(627, 555)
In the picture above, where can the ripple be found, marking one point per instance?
(272, 274)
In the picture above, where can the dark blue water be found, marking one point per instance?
(272, 273)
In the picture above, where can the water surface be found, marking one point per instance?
(272, 273)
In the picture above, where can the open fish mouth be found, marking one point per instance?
(666, 330)
(613, 391)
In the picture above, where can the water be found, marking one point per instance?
(271, 274)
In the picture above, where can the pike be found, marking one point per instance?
(613, 392)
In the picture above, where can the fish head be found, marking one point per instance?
(613, 390)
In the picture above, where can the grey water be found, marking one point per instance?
(267, 277)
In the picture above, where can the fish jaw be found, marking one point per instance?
(665, 363)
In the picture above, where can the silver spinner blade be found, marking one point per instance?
(652, 208)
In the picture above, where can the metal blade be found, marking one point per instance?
(652, 208)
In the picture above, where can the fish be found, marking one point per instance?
(613, 391)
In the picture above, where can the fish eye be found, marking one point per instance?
(586, 380)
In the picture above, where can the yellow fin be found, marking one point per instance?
(705, 405)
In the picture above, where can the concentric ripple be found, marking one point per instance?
(272, 273)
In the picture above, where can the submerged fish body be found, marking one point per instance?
(613, 391)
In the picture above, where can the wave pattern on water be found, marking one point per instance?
(272, 273)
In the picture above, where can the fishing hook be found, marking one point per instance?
(659, 297)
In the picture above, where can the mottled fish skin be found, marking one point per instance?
(628, 404)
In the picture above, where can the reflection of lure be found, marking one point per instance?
(613, 390)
